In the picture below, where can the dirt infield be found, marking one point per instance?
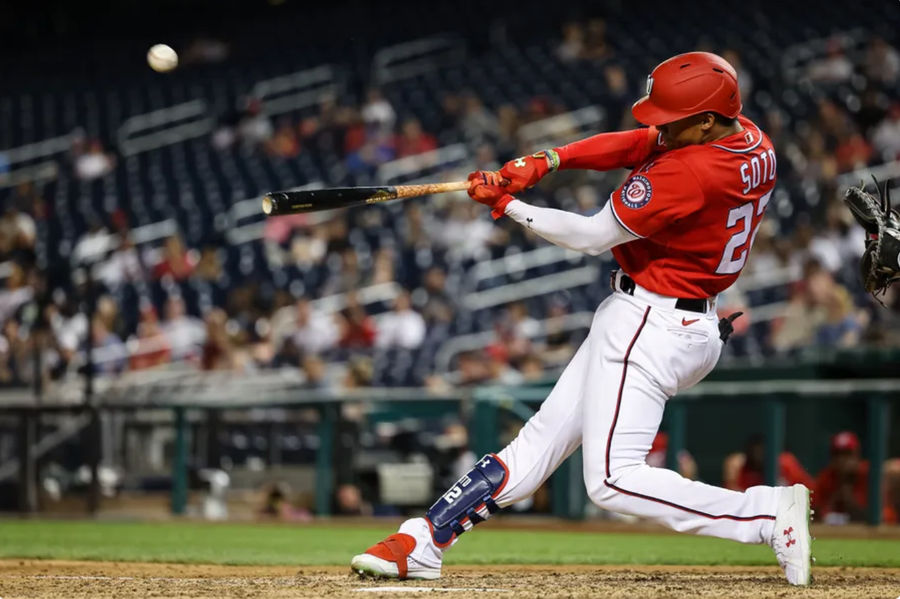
(54, 579)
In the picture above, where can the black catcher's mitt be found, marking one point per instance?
(880, 264)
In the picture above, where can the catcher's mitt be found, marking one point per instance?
(880, 264)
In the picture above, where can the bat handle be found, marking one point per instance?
(412, 191)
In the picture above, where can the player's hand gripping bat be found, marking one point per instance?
(297, 202)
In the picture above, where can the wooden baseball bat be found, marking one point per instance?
(297, 202)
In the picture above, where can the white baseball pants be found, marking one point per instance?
(640, 351)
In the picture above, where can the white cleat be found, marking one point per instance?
(791, 540)
(396, 556)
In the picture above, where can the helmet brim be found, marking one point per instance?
(648, 113)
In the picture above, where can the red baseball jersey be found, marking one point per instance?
(696, 211)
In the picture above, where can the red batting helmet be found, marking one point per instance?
(689, 84)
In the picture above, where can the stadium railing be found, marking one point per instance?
(182, 391)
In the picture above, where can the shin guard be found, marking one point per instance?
(469, 501)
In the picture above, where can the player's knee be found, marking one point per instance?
(602, 489)
(468, 502)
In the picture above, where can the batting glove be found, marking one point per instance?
(526, 171)
(489, 188)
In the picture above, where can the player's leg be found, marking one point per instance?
(495, 481)
(648, 357)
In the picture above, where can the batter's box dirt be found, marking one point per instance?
(58, 579)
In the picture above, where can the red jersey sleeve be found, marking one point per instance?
(655, 196)
(607, 151)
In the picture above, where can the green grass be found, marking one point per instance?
(320, 544)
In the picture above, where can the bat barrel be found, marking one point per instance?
(276, 203)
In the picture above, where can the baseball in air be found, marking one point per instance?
(162, 58)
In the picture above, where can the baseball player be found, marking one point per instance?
(680, 228)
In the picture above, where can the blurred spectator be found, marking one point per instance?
(852, 152)
(349, 501)
(477, 122)
(465, 233)
(745, 78)
(886, 135)
(834, 68)
(820, 312)
(261, 351)
(523, 324)
(892, 491)
(284, 142)
(377, 111)
(619, 96)
(558, 346)
(359, 374)
(357, 328)
(315, 331)
(314, 371)
(254, 128)
(743, 470)
(17, 232)
(69, 325)
(413, 140)
(500, 371)
(438, 305)
(92, 245)
(382, 270)
(108, 353)
(16, 292)
(687, 466)
(842, 488)
(185, 334)
(209, 266)
(532, 368)
(277, 504)
(571, 47)
(13, 354)
(402, 327)
(451, 112)
(91, 161)
(205, 50)
(882, 62)
(175, 261)
(122, 266)
(596, 46)
(218, 351)
(473, 368)
(150, 348)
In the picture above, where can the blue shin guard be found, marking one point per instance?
(469, 501)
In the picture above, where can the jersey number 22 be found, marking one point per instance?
(737, 248)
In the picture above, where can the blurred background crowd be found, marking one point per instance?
(216, 305)
(151, 258)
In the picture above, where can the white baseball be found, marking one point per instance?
(162, 58)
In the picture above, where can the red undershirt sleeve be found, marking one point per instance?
(608, 151)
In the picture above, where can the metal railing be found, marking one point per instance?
(515, 263)
(562, 128)
(409, 59)
(443, 360)
(417, 166)
(298, 90)
(883, 172)
(164, 127)
(31, 162)
(576, 277)
(796, 58)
